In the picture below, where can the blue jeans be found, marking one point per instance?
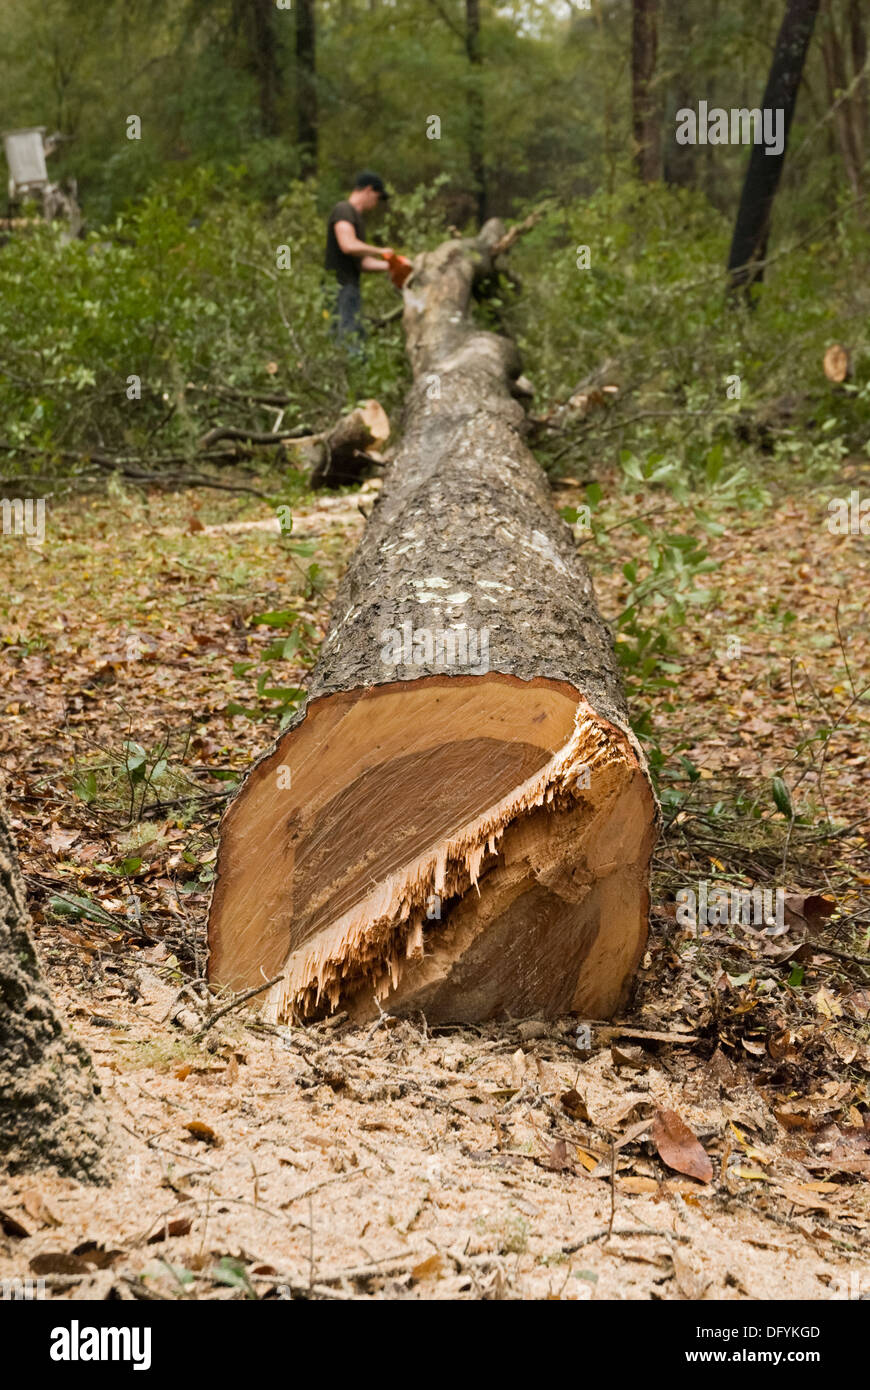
(348, 317)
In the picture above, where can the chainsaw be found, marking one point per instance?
(399, 268)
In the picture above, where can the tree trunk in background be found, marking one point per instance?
(460, 821)
(475, 108)
(752, 227)
(858, 34)
(49, 1115)
(847, 86)
(264, 62)
(645, 105)
(306, 87)
(676, 35)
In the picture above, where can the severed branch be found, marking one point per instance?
(514, 233)
(253, 437)
(234, 1004)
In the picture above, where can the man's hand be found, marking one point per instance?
(387, 251)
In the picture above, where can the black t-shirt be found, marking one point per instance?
(347, 268)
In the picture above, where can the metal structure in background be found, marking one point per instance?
(25, 156)
(26, 152)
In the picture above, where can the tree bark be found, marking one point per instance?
(460, 820)
(476, 156)
(262, 41)
(306, 88)
(49, 1114)
(846, 88)
(752, 228)
(858, 33)
(645, 105)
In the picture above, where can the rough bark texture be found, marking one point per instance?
(49, 1114)
(459, 779)
(466, 502)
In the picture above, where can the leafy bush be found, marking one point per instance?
(653, 303)
(184, 292)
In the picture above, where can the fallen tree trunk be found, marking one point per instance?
(460, 820)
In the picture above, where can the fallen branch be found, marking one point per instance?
(252, 437)
(344, 448)
(575, 1245)
(132, 470)
(234, 1004)
(519, 229)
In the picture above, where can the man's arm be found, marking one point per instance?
(352, 246)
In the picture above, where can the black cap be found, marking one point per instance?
(369, 180)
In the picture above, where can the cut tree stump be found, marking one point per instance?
(460, 820)
(343, 451)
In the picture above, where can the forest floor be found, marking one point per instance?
(394, 1160)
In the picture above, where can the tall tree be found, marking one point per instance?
(679, 162)
(752, 227)
(475, 108)
(858, 30)
(49, 1116)
(257, 19)
(847, 86)
(306, 87)
(645, 103)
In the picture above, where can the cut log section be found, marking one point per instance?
(837, 364)
(460, 821)
(343, 452)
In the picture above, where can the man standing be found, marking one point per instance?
(348, 253)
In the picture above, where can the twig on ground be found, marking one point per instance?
(234, 1004)
(576, 1245)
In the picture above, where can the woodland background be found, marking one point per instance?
(155, 643)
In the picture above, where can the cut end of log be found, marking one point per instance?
(470, 846)
(837, 364)
(345, 449)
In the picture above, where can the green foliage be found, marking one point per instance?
(782, 798)
(233, 1273)
(297, 644)
(184, 293)
(653, 305)
(554, 80)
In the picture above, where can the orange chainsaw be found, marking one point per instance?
(399, 268)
